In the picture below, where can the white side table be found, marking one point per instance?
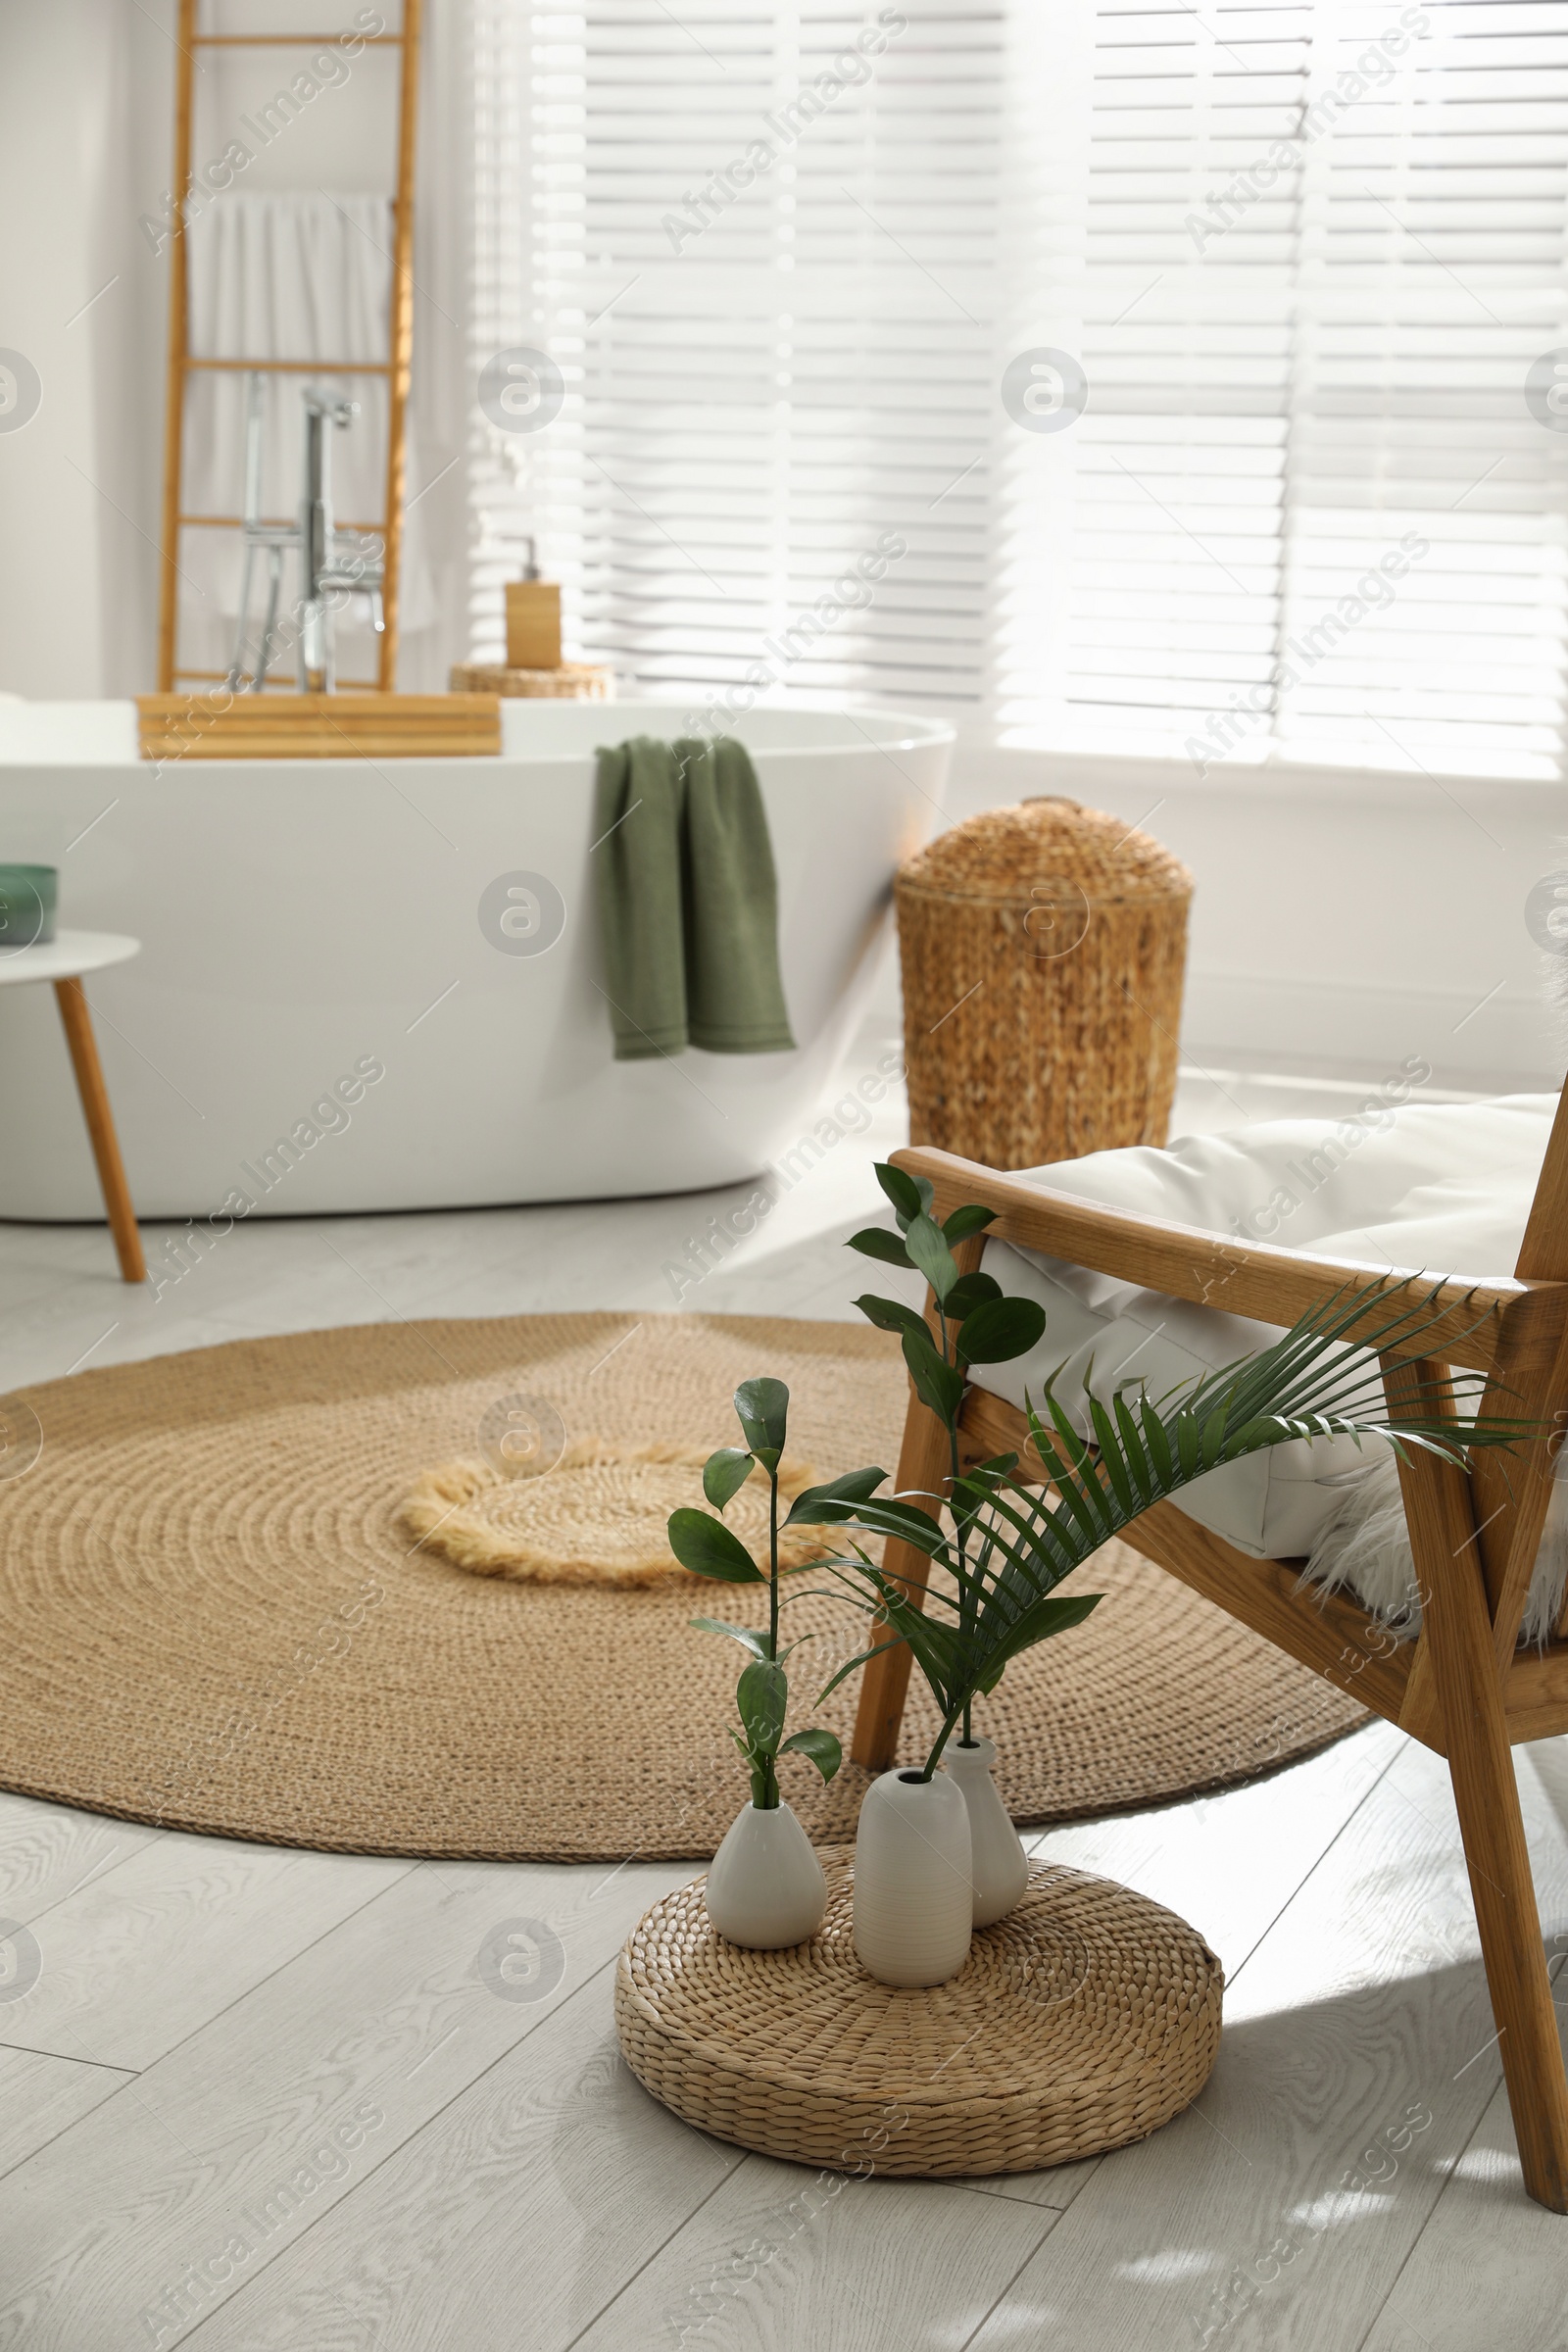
(63, 961)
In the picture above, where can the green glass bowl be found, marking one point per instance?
(28, 899)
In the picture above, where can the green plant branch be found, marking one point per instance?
(773, 1564)
(998, 1549)
(704, 1545)
(949, 1355)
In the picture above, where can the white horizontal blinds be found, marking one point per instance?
(1307, 510)
(1424, 490)
(1183, 456)
(893, 294)
(800, 395)
(1304, 253)
(1170, 489)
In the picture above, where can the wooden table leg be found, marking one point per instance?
(94, 1095)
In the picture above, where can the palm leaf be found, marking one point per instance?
(994, 1573)
(1135, 1454)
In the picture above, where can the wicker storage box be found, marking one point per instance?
(1043, 949)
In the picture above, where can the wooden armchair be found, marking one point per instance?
(1462, 1687)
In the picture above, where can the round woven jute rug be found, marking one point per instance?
(1085, 2019)
(215, 1619)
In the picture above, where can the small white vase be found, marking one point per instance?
(999, 1865)
(912, 1891)
(765, 1887)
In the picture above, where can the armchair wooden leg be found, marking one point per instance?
(924, 1465)
(1486, 1796)
(94, 1095)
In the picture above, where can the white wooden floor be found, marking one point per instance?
(255, 2099)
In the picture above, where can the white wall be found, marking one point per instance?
(1341, 918)
(86, 142)
(80, 482)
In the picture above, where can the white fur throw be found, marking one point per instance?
(1365, 1548)
(1398, 1182)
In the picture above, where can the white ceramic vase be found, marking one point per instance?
(913, 1890)
(765, 1887)
(999, 1865)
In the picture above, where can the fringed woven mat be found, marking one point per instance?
(595, 1512)
(216, 1621)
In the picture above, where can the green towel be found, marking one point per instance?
(688, 900)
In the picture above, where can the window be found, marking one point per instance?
(1177, 380)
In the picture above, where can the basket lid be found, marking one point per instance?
(1004, 853)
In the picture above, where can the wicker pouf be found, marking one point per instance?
(1043, 949)
(1085, 2019)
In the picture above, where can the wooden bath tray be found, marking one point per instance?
(318, 726)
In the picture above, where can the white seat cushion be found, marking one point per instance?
(1442, 1188)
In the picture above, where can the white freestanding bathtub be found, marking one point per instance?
(303, 921)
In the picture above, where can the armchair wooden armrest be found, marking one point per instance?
(1243, 1277)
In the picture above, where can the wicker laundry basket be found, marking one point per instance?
(1043, 949)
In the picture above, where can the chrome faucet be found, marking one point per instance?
(330, 559)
